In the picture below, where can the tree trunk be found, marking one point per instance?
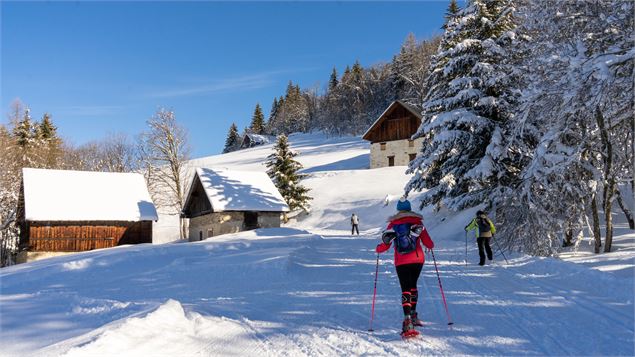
(609, 179)
(568, 237)
(625, 209)
(608, 205)
(596, 225)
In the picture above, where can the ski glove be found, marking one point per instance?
(388, 235)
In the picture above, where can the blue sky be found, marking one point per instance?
(102, 68)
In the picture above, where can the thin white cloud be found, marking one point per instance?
(247, 82)
(88, 110)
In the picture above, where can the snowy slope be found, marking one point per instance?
(306, 290)
(317, 153)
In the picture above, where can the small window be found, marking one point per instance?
(391, 161)
(411, 157)
(382, 146)
(411, 143)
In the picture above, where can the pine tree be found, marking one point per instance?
(451, 12)
(24, 130)
(46, 130)
(257, 121)
(232, 143)
(283, 170)
(450, 39)
(274, 109)
(401, 64)
(333, 80)
(347, 73)
(466, 109)
(49, 143)
(357, 71)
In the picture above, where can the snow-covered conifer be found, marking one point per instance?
(283, 170)
(469, 102)
(232, 143)
(333, 80)
(257, 125)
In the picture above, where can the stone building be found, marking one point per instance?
(390, 136)
(224, 201)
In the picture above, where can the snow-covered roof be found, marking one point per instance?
(251, 140)
(230, 190)
(64, 195)
(379, 119)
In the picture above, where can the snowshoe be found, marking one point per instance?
(408, 330)
(409, 334)
(415, 320)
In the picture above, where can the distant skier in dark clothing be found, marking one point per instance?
(484, 230)
(406, 230)
(354, 224)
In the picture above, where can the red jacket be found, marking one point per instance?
(417, 256)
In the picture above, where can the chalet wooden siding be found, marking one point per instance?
(198, 203)
(390, 134)
(63, 211)
(82, 236)
(398, 122)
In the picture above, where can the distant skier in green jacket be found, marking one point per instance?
(484, 229)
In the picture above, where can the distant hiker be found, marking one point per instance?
(484, 231)
(354, 224)
(406, 230)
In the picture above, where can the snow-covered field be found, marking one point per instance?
(306, 289)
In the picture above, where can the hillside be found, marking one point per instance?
(306, 289)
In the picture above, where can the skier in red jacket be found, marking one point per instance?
(406, 230)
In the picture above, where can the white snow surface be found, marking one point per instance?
(66, 195)
(234, 190)
(307, 289)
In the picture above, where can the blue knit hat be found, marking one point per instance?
(403, 205)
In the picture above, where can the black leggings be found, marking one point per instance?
(408, 275)
(484, 247)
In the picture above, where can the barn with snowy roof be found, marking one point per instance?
(251, 140)
(390, 136)
(72, 211)
(224, 201)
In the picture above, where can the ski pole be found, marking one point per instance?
(465, 248)
(500, 250)
(441, 288)
(372, 311)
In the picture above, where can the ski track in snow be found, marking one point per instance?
(310, 296)
(288, 292)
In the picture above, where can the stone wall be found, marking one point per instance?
(218, 223)
(269, 219)
(400, 149)
(26, 256)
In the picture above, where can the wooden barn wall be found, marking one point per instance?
(198, 203)
(82, 236)
(399, 124)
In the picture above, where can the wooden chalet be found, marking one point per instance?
(390, 136)
(72, 211)
(222, 201)
(251, 140)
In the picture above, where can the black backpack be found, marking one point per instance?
(483, 224)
